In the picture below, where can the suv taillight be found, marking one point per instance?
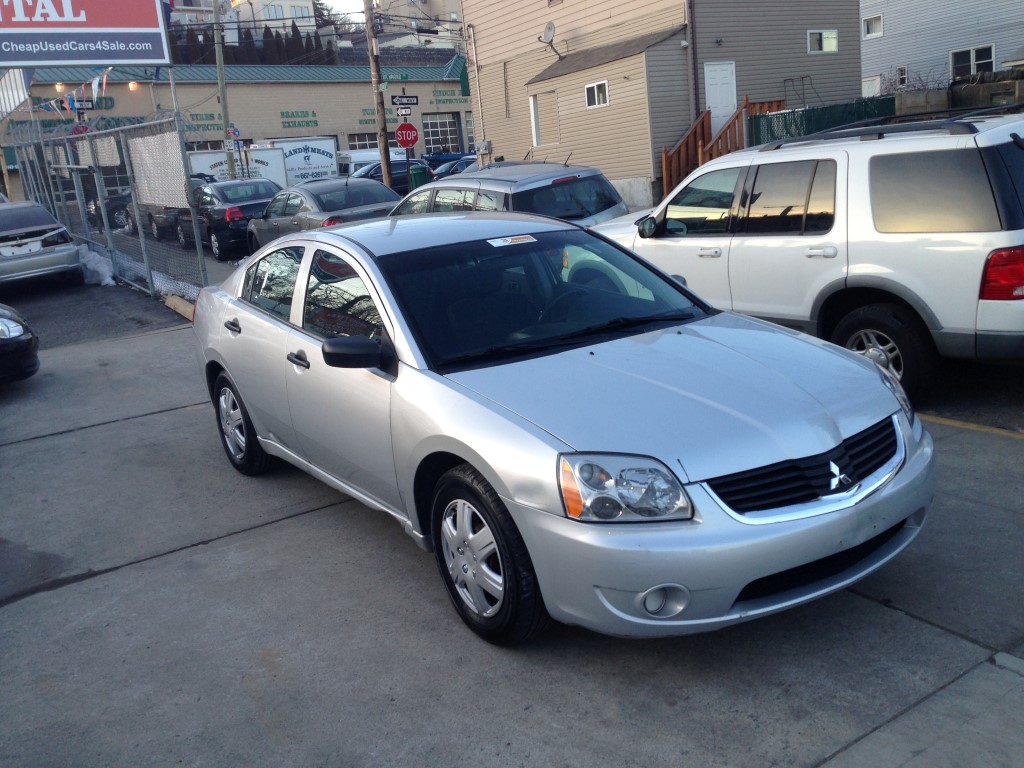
(234, 213)
(1003, 278)
(330, 221)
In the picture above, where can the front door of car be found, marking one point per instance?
(268, 226)
(342, 416)
(789, 240)
(290, 222)
(693, 234)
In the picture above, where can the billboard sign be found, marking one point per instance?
(81, 33)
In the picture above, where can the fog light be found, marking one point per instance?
(665, 601)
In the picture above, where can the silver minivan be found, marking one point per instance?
(575, 193)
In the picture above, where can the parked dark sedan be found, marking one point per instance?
(320, 203)
(224, 209)
(399, 173)
(19, 347)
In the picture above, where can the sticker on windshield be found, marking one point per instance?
(500, 242)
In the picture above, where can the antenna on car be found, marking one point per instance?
(567, 159)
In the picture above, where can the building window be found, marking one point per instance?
(470, 132)
(901, 76)
(822, 41)
(368, 140)
(441, 133)
(963, 64)
(597, 95)
(273, 12)
(872, 27)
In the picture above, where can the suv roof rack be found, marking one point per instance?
(876, 128)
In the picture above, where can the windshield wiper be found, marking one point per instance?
(620, 323)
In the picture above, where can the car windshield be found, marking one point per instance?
(345, 196)
(365, 170)
(568, 198)
(490, 301)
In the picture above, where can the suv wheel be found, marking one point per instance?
(897, 333)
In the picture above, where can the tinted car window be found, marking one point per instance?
(294, 205)
(23, 217)
(702, 206)
(254, 190)
(417, 203)
(453, 200)
(941, 191)
(490, 201)
(351, 196)
(784, 195)
(276, 206)
(569, 198)
(337, 302)
(270, 282)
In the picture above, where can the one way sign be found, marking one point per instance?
(405, 101)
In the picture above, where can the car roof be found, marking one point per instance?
(397, 234)
(531, 172)
(332, 183)
(237, 182)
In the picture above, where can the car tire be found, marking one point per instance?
(897, 332)
(218, 248)
(483, 560)
(183, 240)
(129, 226)
(237, 434)
(119, 218)
(154, 229)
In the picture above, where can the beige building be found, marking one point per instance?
(610, 84)
(264, 102)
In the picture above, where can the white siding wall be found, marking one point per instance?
(920, 34)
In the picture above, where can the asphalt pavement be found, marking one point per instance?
(158, 608)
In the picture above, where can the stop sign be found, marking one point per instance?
(406, 135)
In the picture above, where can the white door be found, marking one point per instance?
(720, 92)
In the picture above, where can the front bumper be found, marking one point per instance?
(19, 357)
(676, 578)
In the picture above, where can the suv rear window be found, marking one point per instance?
(574, 198)
(941, 191)
(25, 217)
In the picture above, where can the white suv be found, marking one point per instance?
(903, 242)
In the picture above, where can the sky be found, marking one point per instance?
(352, 7)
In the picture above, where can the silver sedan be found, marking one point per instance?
(611, 453)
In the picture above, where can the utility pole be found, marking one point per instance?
(218, 42)
(375, 82)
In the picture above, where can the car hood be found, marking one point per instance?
(713, 397)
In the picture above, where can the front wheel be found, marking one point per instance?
(154, 229)
(183, 239)
(237, 434)
(483, 560)
(892, 335)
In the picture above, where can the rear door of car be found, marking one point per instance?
(789, 239)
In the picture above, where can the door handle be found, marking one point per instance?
(825, 252)
(709, 253)
(299, 359)
(233, 325)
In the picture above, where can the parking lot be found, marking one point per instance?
(158, 608)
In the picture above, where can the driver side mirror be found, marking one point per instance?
(647, 227)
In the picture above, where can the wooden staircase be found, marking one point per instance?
(698, 145)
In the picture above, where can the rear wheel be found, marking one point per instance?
(183, 239)
(483, 560)
(237, 435)
(119, 218)
(154, 229)
(894, 336)
(217, 247)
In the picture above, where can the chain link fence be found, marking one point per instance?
(118, 190)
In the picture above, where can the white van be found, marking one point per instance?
(351, 160)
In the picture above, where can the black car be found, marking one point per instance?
(224, 209)
(19, 347)
(400, 170)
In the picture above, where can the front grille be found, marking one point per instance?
(799, 481)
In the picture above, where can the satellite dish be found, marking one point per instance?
(548, 34)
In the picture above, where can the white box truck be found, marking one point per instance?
(307, 157)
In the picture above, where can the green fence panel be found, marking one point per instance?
(801, 122)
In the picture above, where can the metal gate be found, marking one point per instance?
(118, 190)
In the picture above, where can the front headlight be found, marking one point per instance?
(9, 329)
(890, 381)
(609, 488)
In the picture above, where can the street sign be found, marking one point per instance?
(403, 76)
(234, 132)
(405, 101)
(406, 134)
(404, 111)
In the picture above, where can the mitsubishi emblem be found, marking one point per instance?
(839, 479)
